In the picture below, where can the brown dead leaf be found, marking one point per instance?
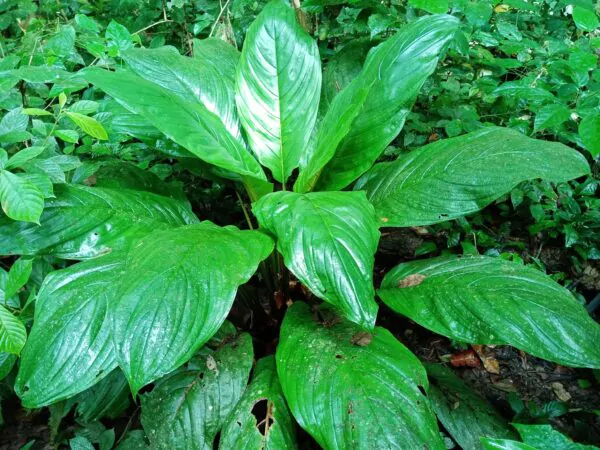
(490, 363)
(560, 392)
(412, 280)
(468, 358)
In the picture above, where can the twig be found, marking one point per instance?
(153, 25)
(223, 8)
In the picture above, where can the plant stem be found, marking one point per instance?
(248, 220)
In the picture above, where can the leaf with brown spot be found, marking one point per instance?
(412, 280)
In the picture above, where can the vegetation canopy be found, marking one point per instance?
(196, 238)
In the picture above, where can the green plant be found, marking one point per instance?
(155, 285)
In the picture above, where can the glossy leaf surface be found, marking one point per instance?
(485, 300)
(221, 55)
(70, 347)
(458, 176)
(393, 75)
(187, 409)
(187, 123)
(464, 414)
(328, 240)
(189, 79)
(505, 444)
(349, 389)
(175, 292)
(261, 419)
(278, 88)
(83, 222)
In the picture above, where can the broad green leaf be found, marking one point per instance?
(505, 444)
(189, 124)
(189, 79)
(88, 125)
(24, 155)
(585, 19)
(431, 6)
(551, 116)
(464, 414)
(370, 111)
(198, 268)
(18, 275)
(589, 130)
(544, 436)
(12, 332)
(83, 222)
(3, 158)
(278, 88)
(261, 419)
(21, 200)
(454, 177)
(349, 389)
(108, 398)
(222, 56)
(328, 241)
(187, 408)
(485, 300)
(70, 348)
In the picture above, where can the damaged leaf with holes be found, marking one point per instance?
(261, 420)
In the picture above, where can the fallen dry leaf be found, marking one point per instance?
(560, 392)
(490, 363)
(468, 358)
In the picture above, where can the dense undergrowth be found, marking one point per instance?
(132, 138)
